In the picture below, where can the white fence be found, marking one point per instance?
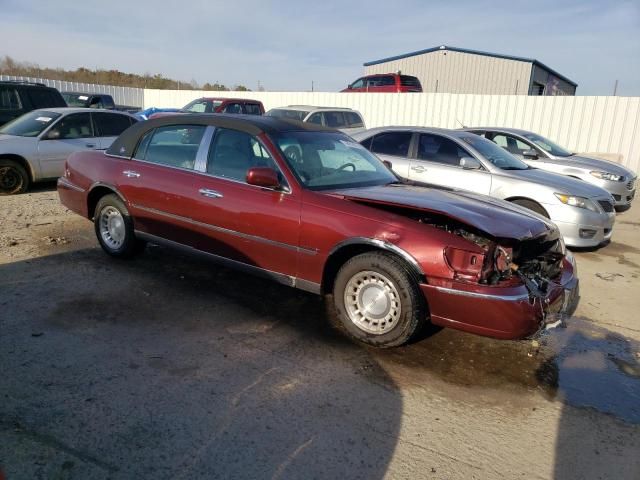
(129, 96)
(603, 126)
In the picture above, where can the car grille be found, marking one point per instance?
(630, 184)
(606, 205)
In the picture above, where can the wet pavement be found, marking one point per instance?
(170, 367)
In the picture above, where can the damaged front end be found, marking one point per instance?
(542, 265)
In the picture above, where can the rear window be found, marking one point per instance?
(408, 81)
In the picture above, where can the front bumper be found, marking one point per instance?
(581, 227)
(502, 312)
(622, 192)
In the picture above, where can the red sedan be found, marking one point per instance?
(309, 207)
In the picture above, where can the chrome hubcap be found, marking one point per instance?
(372, 302)
(112, 229)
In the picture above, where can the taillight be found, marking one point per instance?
(466, 265)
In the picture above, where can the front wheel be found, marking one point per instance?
(13, 178)
(114, 228)
(531, 205)
(377, 300)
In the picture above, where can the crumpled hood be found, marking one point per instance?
(559, 183)
(596, 164)
(495, 217)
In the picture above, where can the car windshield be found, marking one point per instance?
(30, 124)
(290, 114)
(547, 145)
(330, 160)
(202, 106)
(76, 99)
(498, 156)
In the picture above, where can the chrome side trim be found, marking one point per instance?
(380, 244)
(252, 269)
(116, 156)
(505, 298)
(68, 184)
(216, 228)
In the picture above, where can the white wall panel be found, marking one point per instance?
(605, 125)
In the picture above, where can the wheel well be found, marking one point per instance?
(21, 161)
(343, 254)
(94, 197)
(513, 199)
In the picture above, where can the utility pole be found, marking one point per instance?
(312, 85)
(615, 88)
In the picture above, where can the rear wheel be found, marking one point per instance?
(377, 300)
(531, 205)
(114, 228)
(13, 177)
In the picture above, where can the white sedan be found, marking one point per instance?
(35, 146)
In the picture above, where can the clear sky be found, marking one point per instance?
(285, 45)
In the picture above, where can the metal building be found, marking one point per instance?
(458, 70)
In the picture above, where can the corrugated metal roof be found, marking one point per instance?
(474, 52)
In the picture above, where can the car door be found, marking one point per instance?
(71, 133)
(158, 182)
(109, 126)
(249, 224)
(394, 147)
(437, 161)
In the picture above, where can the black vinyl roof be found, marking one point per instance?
(126, 143)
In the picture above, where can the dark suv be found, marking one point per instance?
(17, 98)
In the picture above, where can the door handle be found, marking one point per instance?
(130, 174)
(210, 193)
(418, 168)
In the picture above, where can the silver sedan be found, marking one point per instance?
(34, 147)
(461, 160)
(540, 152)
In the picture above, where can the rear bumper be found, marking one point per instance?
(72, 196)
(506, 313)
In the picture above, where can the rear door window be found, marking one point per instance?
(174, 145)
(353, 120)
(233, 108)
(334, 119)
(381, 81)
(110, 124)
(9, 99)
(42, 98)
(252, 109)
(392, 143)
(409, 81)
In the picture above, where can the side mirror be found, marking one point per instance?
(54, 134)
(349, 87)
(388, 164)
(531, 153)
(470, 163)
(263, 177)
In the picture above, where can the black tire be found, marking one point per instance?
(13, 177)
(413, 308)
(531, 205)
(127, 245)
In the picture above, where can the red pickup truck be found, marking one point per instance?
(386, 82)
